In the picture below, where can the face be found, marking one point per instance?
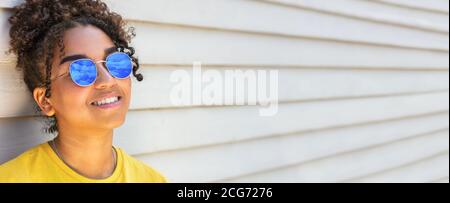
(77, 106)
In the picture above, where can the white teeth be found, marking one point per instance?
(106, 101)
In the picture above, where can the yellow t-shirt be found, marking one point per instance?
(41, 165)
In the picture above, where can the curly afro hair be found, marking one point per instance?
(37, 30)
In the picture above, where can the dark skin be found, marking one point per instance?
(85, 131)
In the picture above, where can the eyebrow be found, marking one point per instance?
(82, 56)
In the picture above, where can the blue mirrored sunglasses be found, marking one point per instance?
(84, 71)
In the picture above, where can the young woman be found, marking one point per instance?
(77, 63)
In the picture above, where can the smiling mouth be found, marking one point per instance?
(107, 101)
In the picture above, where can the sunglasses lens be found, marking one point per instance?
(119, 65)
(83, 72)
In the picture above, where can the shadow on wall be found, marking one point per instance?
(17, 134)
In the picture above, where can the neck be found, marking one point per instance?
(88, 152)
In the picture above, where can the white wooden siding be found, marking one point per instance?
(364, 90)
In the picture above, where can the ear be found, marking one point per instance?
(43, 102)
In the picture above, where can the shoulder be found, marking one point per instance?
(18, 168)
(136, 168)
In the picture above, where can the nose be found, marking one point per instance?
(104, 79)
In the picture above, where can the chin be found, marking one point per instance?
(118, 123)
(112, 124)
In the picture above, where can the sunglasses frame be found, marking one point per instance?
(96, 69)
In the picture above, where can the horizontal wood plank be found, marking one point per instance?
(422, 171)
(373, 11)
(232, 160)
(262, 18)
(427, 5)
(161, 130)
(355, 163)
